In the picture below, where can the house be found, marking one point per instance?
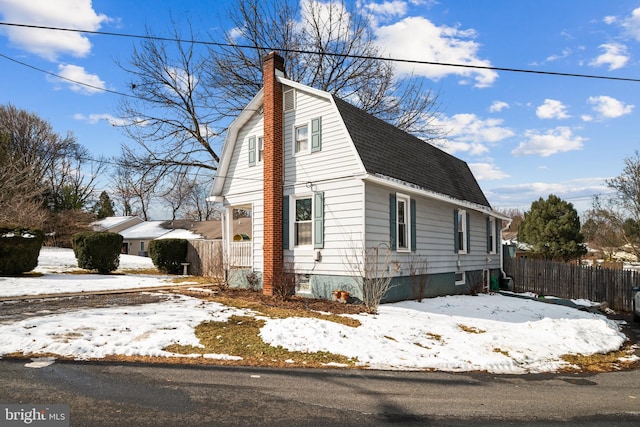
(136, 239)
(325, 183)
(115, 224)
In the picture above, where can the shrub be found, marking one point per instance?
(19, 249)
(97, 250)
(168, 254)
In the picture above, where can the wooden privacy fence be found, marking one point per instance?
(573, 281)
(206, 258)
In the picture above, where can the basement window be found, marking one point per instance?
(460, 278)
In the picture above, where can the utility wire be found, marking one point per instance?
(379, 58)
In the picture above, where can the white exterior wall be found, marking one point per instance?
(244, 186)
(434, 233)
(331, 171)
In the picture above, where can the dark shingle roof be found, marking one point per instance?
(389, 151)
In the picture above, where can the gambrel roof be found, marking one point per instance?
(388, 151)
(385, 152)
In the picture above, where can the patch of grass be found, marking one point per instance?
(196, 279)
(499, 350)
(471, 329)
(599, 362)
(148, 271)
(240, 337)
(283, 312)
(434, 336)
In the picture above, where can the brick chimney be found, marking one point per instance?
(273, 171)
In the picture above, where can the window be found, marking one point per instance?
(141, 246)
(460, 278)
(461, 223)
(260, 149)
(492, 240)
(304, 283)
(303, 221)
(301, 135)
(403, 224)
(303, 224)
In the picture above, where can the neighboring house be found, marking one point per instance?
(116, 224)
(324, 181)
(136, 239)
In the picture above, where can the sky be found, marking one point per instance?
(488, 332)
(524, 135)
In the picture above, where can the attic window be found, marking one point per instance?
(289, 100)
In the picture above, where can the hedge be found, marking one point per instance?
(168, 254)
(19, 249)
(97, 250)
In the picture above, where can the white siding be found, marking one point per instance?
(342, 228)
(336, 160)
(434, 233)
(331, 171)
(244, 181)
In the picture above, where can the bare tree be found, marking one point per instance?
(184, 95)
(326, 46)
(132, 191)
(602, 227)
(29, 151)
(372, 269)
(627, 200)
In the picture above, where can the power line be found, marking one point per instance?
(302, 51)
(65, 78)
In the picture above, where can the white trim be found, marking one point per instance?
(259, 152)
(464, 278)
(462, 225)
(494, 238)
(294, 139)
(407, 222)
(292, 221)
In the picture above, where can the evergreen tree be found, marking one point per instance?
(104, 207)
(552, 228)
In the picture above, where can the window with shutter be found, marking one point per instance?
(461, 227)
(402, 210)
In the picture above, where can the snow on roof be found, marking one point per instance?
(111, 221)
(180, 233)
(145, 230)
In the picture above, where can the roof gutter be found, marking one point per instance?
(412, 188)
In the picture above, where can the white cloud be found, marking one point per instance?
(487, 171)
(49, 44)
(387, 9)
(74, 73)
(557, 140)
(417, 38)
(615, 56)
(552, 109)
(498, 106)
(609, 107)
(579, 192)
(97, 118)
(631, 24)
(470, 134)
(565, 53)
(586, 118)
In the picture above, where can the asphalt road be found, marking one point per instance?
(104, 394)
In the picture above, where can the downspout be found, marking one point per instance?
(502, 272)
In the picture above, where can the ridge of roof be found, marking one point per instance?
(389, 151)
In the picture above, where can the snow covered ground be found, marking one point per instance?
(494, 333)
